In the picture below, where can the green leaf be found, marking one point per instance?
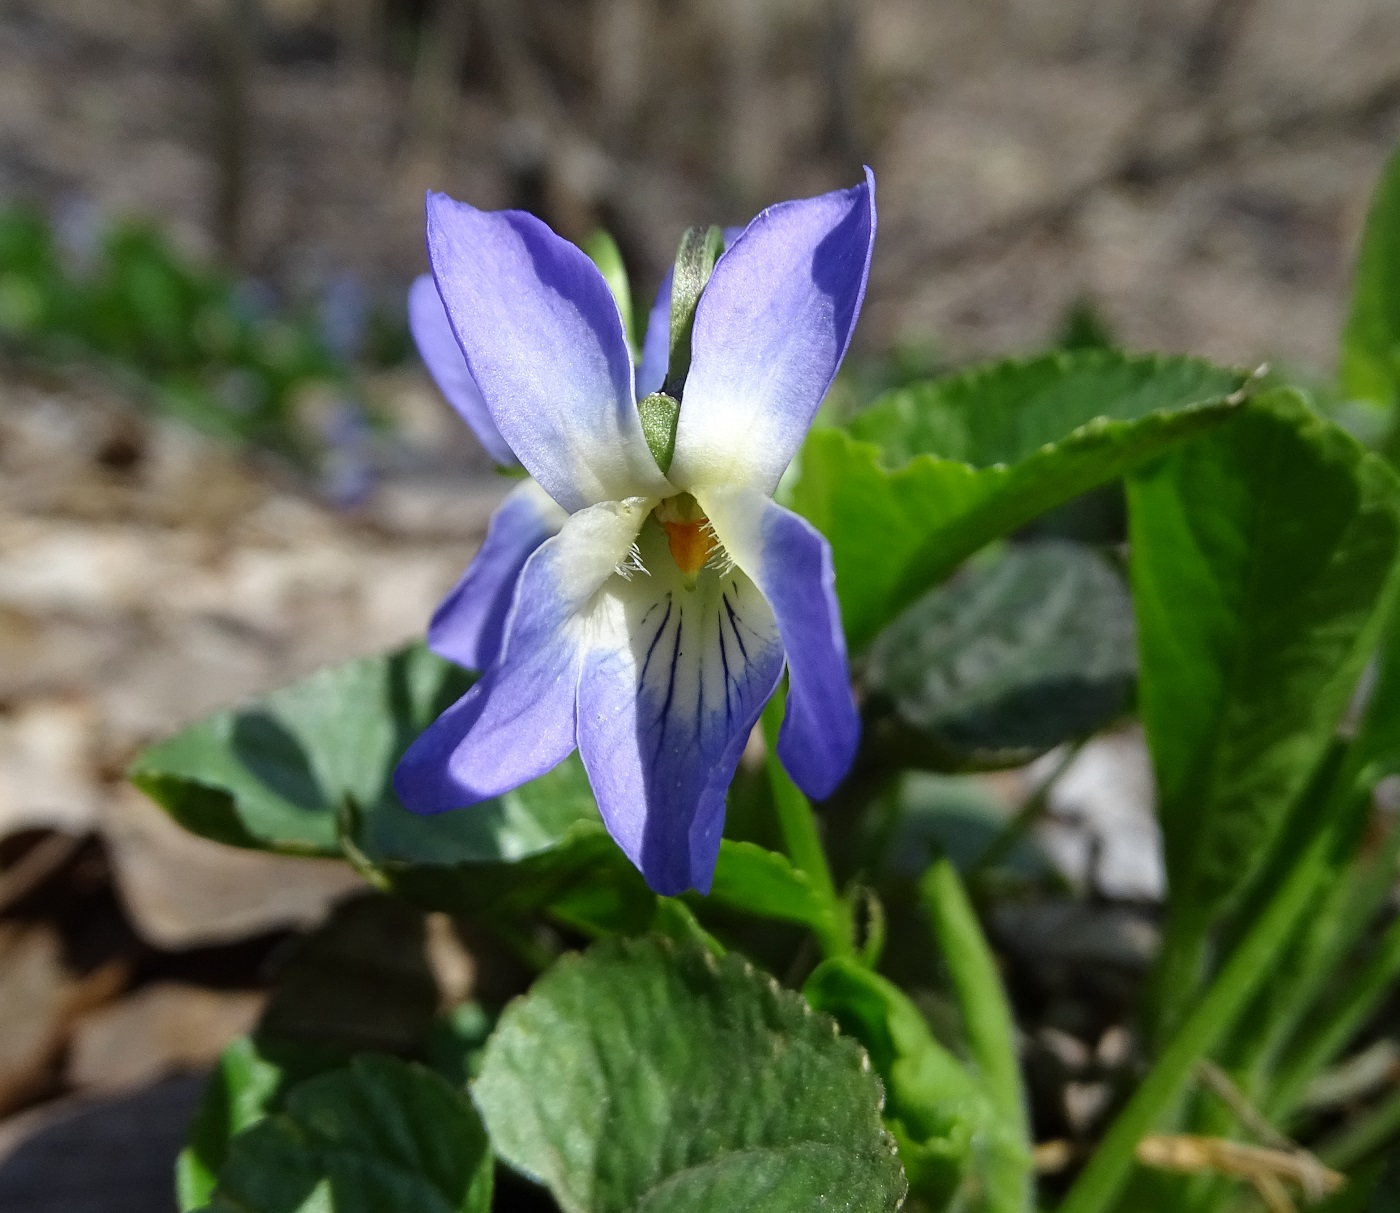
(1008, 411)
(949, 1133)
(249, 1082)
(757, 881)
(1261, 556)
(748, 879)
(933, 472)
(379, 1137)
(458, 1040)
(1370, 354)
(640, 1076)
(1377, 743)
(602, 250)
(1011, 657)
(289, 771)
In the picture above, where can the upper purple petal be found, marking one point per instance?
(770, 332)
(437, 346)
(469, 624)
(671, 687)
(544, 342)
(791, 563)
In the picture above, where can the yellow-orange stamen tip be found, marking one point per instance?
(691, 544)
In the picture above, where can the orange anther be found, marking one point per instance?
(691, 544)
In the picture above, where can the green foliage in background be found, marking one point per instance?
(189, 339)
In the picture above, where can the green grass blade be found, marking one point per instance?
(987, 1020)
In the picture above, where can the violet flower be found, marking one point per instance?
(642, 615)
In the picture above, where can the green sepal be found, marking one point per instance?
(660, 413)
(695, 261)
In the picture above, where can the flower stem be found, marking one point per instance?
(802, 838)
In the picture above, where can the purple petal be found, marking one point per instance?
(790, 561)
(518, 721)
(771, 330)
(671, 688)
(544, 342)
(656, 344)
(468, 625)
(437, 346)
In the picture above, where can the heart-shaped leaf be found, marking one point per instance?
(381, 1136)
(933, 472)
(643, 1076)
(1011, 657)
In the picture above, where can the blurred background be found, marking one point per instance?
(221, 465)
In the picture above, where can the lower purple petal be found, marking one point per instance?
(671, 687)
(468, 625)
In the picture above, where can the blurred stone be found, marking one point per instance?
(1102, 829)
(1115, 1047)
(1071, 1052)
(1003, 139)
(158, 1030)
(182, 891)
(46, 765)
(437, 506)
(143, 589)
(1085, 1102)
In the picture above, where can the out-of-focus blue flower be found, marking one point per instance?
(347, 463)
(640, 615)
(345, 316)
(77, 231)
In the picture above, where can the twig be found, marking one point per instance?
(361, 30)
(1368, 1133)
(1238, 1103)
(1315, 1176)
(441, 50)
(1357, 1078)
(1262, 1166)
(571, 173)
(233, 36)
